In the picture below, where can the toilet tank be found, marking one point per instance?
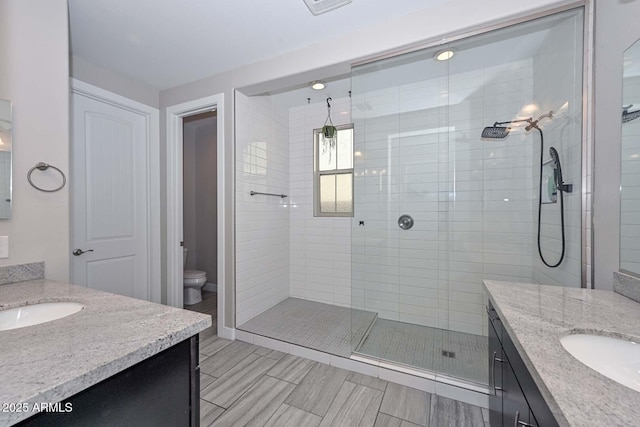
(185, 251)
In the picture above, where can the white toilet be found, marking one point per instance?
(193, 281)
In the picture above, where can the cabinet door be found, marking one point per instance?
(514, 406)
(495, 378)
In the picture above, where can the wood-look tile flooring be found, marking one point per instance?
(247, 385)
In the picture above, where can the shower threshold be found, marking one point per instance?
(438, 377)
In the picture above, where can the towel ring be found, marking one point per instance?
(42, 166)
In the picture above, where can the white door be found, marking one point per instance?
(109, 198)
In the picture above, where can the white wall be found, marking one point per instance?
(262, 222)
(330, 58)
(34, 74)
(616, 30)
(319, 247)
(114, 82)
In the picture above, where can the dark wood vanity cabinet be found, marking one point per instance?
(514, 399)
(162, 391)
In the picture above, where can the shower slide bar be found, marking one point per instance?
(253, 193)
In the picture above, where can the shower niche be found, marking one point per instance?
(444, 196)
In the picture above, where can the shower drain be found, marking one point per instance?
(451, 354)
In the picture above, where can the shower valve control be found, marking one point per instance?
(405, 222)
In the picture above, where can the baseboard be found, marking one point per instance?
(211, 287)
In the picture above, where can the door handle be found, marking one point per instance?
(78, 252)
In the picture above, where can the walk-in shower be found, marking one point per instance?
(440, 202)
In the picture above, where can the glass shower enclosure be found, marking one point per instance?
(438, 207)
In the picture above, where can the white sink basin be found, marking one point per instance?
(614, 358)
(29, 315)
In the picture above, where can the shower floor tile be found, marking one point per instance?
(324, 327)
(422, 347)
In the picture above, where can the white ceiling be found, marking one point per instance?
(167, 43)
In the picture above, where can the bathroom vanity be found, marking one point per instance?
(533, 379)
(118, 361)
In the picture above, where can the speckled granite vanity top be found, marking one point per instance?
(52, 361)
(537, 316)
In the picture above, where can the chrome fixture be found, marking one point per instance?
(405, 222)
(42, 166)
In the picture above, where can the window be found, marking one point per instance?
(333, 173)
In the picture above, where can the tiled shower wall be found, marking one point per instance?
(262, 222)
(320, 247)
(558, 91)
(5, 182)
(471, 200)
(630, 181)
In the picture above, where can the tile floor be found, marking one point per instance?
(423, 347)
(328, 328)
(244, 384)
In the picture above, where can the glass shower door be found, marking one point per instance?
(400, 115)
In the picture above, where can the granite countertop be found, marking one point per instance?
(537, 316)
(52, 361)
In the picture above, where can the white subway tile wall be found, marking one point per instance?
(417, 151)
(561, 92)
(630, 182)
(262, 222)
(5, 182)
(471, 200)
(319, 247)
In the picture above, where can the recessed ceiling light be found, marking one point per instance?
(444, 55)
(318, 85)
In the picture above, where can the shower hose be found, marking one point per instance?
(540, 206)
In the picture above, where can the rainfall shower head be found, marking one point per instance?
(498, 131)
(627, 115)
(495, 132)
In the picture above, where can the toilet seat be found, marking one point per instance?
(194, 274)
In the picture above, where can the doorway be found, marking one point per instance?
(199, 214)
(177, 116)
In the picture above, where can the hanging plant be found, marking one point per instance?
(329, 132)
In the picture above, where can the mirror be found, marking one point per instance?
(6, 141)
(630, 165)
